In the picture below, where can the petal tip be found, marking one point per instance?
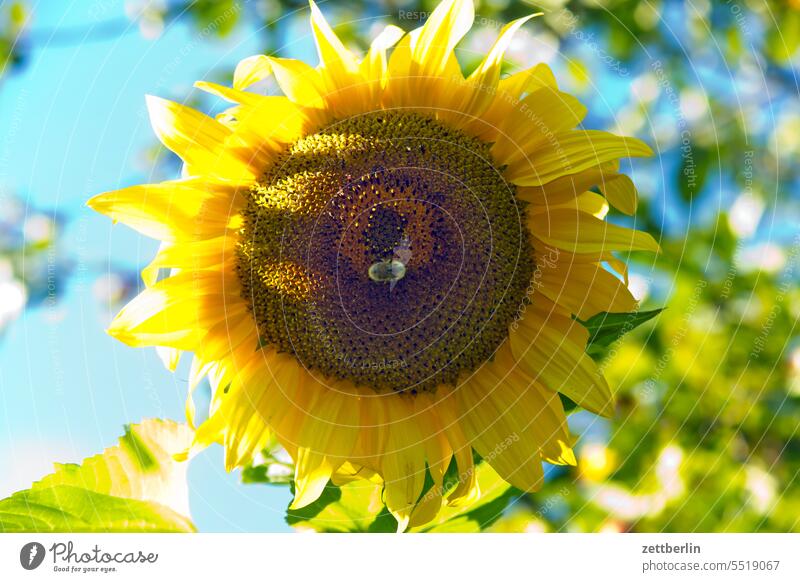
(153, 101)
(402, 522)
(95, 203)
(303, 497)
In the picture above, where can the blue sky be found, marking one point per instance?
(73, 124)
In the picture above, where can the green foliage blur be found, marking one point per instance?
(705, 437)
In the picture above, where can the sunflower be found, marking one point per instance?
(383, 267)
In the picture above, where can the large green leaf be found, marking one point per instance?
(134, 486)
(606, 328)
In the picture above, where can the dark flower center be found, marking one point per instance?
(386, 249)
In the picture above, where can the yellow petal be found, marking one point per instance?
(399, 65)
(232, 95)
(439, 93)
(403, 462)
(227, 335)
(152, 271)
(579, 232)
(375, 422)
(528, 81)
(206, 254)
(488, 71)
(423, 71)
(189, 209)
(338, 62)
(540, 417)
(488, 403)
(174, 312)
(588, 202)
(254, 396)
(242, 446)
(593, 204)
(446, 26)
(299, 82)
(483, 82)
(329, 423)
(349, 472)
(347, 92)
(584, 289)
(437, 447)
(373, 67)
(428, 507)
(538, 122)
(466, 490)
(276, 120)
(199, 141)
(621, 193)
(536, 415)
(508, 97)
(438, 453)
(219, 377)
(572, 152)
(169, 357)
(262, 125)
(617, 266)
(568, 187)
(313, 470)
(550, 348)
(250, 71)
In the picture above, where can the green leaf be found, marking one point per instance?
(136, 486)
(568, 404)
(606, 328)
(273, 466)
(353, 507)
(65, 508)
(264, 474)
(215, 17)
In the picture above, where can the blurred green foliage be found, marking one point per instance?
(13, 18)
(705, 437)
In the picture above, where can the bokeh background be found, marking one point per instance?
(706, 433)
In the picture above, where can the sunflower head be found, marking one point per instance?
(383, 268)
(401, 260)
